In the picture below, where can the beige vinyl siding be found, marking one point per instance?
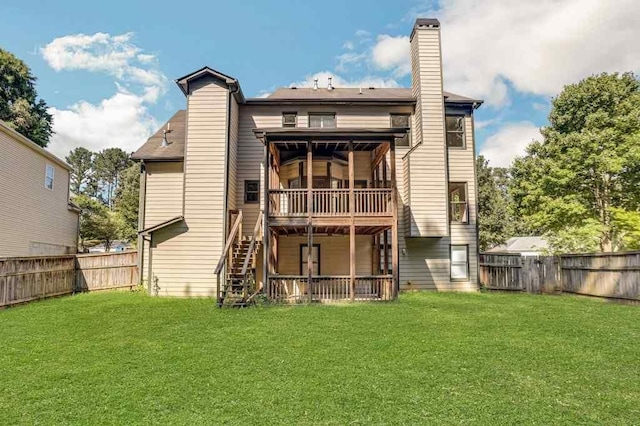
(233, 155)
(334, 254)
(35, 220)
(164, 188)
(185, 264)
(462, 169)
(426, 166)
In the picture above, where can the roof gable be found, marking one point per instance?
(228, 81)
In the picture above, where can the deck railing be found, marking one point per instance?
(329, 202)
(295, 288)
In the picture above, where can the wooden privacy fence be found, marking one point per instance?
(23, 279)
(611, 275)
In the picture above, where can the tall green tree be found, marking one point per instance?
(127, 202)
(81, 161)
(495, 223)
(580, 185)
(97, 223)
(108, 165)
(19, 103)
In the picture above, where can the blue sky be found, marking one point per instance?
(113, 88)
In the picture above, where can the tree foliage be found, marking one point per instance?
(97, 223)
(580, 184)
(19, 103)
(127, 202)
(108, 165)
(81, 161)
(494, 223)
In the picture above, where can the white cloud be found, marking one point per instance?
(392, 53)
(535, 47)
(121, 120)
(509, 142)
(538, 47)
(339, 81)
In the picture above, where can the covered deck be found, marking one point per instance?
(334, 190)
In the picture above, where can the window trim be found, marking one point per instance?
(302, 245)
(468, 277)
(464, 131)
(295, 114)
(46, 176)
(247, 182)
(409, 139)
(466, 201)
(311, 114)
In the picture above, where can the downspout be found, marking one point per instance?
(225, 224)
(142, 204)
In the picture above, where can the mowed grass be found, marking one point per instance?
(439, 358)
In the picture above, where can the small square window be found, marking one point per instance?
(322, 120)
(49, 176)
(402, 121)
(289, 119)
(251, 191)
(458, 211)
(460, 262)
(455, 131)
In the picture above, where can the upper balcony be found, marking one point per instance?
(330, 172)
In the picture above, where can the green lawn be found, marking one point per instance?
(434, 358)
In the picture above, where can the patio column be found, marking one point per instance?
(394, 224)
(352, 226)
(266, 234)
(385, 237)
(309, 223)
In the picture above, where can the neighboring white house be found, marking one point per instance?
(36, 216)
(526, 246)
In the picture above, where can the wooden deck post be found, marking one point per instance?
(352, 226)
(309, 222)
(265, 221)
(394, 224)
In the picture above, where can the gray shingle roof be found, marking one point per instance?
(153, 149)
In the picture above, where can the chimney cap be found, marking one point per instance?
(424, 22)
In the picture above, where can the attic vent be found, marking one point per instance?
(315, 84)
(165, 142)
(293, 87)
(371, 88)
(330, 85)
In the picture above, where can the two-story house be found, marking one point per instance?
(36, 215)
(321, 193)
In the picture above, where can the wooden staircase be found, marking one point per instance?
(238, 288)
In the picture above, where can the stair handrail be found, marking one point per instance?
(252, 245)
(230, 239)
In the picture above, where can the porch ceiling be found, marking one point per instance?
(329, 230)
(325, 135)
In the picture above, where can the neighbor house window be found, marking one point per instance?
(402, 121)
(289, 119)
(460, 262)
(322, 120)
(48, 176)
(458, 202)
(251, 191)
(455, 131)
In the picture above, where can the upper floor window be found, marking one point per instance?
(458, 202)
(322, 120)
(402, 121)
(455, 131)
(251, 191)
(48, 176)
(289, 119)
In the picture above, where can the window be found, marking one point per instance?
(327, 120)
(251, 191)
(315, 255)
(48, 176)
(455, 131)
(402, 121)
(460, 262)
(289, 119)
(458, 202)
(389, 269)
